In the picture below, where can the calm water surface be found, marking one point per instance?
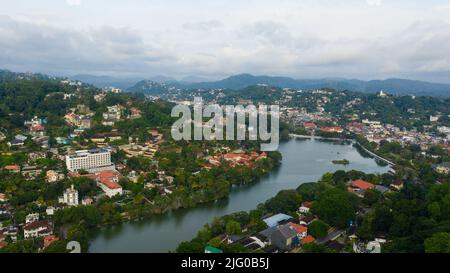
(303, 161)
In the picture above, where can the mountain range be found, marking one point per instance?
(391, 86)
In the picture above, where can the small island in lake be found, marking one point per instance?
(341, 162)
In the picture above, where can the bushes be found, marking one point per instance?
(318, 229)
(336, 207)
(285, 201)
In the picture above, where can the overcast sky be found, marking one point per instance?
(365, 39)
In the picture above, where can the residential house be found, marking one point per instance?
(87, 201)
(32, 217)
(37, 229)
(359, 187)
(52, 176)
(50, 211)
(334, 129)
(3, 197)
(308, 239)
(135, 113)
(302, 231)
(12, 168)
(50, 239)
(310, 126)
(3, 243)
(30, 172)
(397, 185)
(443, 168)
(361, 184)
(284, 237)
(306, 220)
(16, 143)
(274, 220)
(305, 207)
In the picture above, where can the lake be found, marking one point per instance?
(303, 161)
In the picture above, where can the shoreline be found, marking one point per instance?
(354, 141)
(221, 205)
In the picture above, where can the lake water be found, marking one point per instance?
(303, 161)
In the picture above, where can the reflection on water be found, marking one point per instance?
(303, 161)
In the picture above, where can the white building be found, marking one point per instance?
(110, 188)
(70, 197)
(305, 207)
(108, 181)
(30, 218)
(90, 160)
(50, 211)
(52, 176)
(37, 229)
(434, 118)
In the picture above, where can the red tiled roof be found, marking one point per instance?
(298, 228)
(308, 239)
(308, 124)
(35, 225)
(12, 168)
(50, 239)
(361, 184)
(232, 156)
(110, 184)
(107, 178)
(37, 127)
(332, 129)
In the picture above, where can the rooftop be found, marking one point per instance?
(361, 184)
(275, 219)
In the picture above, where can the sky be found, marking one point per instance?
(213, 39)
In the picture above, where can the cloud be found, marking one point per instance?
(28, 46)
(203, 25)
(374, 2)
(216, 48)
(73, 2)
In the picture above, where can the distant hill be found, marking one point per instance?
(122, 83)
(391, 86)
(149, 87)
(106, 81)
(161, 83)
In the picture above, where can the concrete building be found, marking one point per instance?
(70, 197)
(37, 229)
(90, 160)
(108, 181)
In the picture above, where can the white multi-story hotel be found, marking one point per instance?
(90, 160)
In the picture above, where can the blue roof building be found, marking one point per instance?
(274, 220)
